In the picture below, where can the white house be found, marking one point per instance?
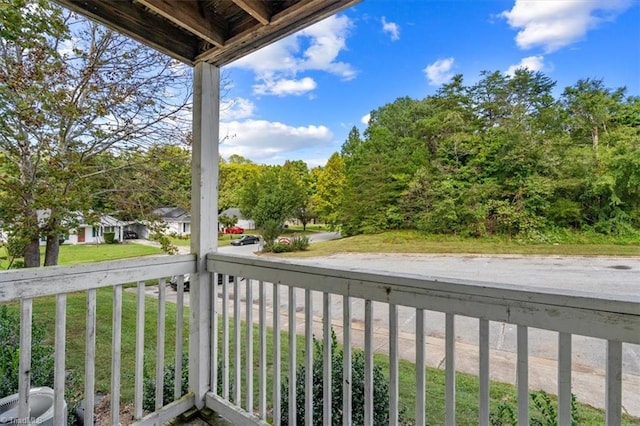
(178, 220)
(243, 222)
(88, 231)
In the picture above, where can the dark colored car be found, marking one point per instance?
(130, 235)
(174, 281)
(246, 239)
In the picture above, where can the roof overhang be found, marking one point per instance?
(214, 31)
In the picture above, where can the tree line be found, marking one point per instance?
(501, 156)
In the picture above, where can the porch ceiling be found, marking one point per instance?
(215, 31)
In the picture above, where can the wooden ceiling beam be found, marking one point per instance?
(134, 21)
(256, 8)
(288, 21)
(185, 14)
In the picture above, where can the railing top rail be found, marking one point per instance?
(554, 309)
(36, 282)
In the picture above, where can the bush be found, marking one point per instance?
(110, 237)
(41, 355)
(380, 389)
(270, 231)
(543, 411)
(149, 387)
(299, 243)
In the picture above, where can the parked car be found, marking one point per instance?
(174, 281)
(246, 239)
(234, 230)
(130, 235)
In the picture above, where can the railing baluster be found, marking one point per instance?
(90, 358)
(564, 379)
(162, 300)
(420, 369)
(214, 334)
(249, 344)
(483, 369)
(326, 350)
(225, 338)
(346, 368)
(613, 394)
(393, 364)
(450, 370)
(139, 366)
(177, 374)
(368, 362)
(262, 385)
(276, 354)
(24, 380)
(523, 375)
(292, 356)
(308, 358)
(237, 363)
(116, 342)
(60, 342)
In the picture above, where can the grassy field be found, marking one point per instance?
(84, 253)
(415, 242)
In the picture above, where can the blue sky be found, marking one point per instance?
(298, 98)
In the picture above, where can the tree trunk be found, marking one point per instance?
(32, 254)
(594, 137)
(52, 251)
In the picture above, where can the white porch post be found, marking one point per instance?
(204, 220)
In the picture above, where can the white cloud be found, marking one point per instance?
(266, 142)
(532, 63)
(313, 49)
(392, 28)
(365, 119)
(439, 72)
(236, 109)
(285, 87)
(555, 24)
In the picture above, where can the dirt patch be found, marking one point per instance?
(102, 414)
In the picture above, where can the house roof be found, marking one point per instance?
(215, 31)
(78, 218)
(172, 214)
(233, 212)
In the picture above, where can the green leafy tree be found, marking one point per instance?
(71, 91)
(271, 196)
(302, 185)
(591, 108)
(329, 193)
(232, 177)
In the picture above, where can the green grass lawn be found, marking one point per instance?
(416, 242)
(83, 253)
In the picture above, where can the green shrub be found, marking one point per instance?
(380, 389)
(110, 237)
(149, 386)
(543, 411)
(281, 248)
(41, 355)
(299, 243)
(270, 230)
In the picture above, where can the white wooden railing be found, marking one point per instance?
(615, 321)
(317, 299)
(27, 285)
